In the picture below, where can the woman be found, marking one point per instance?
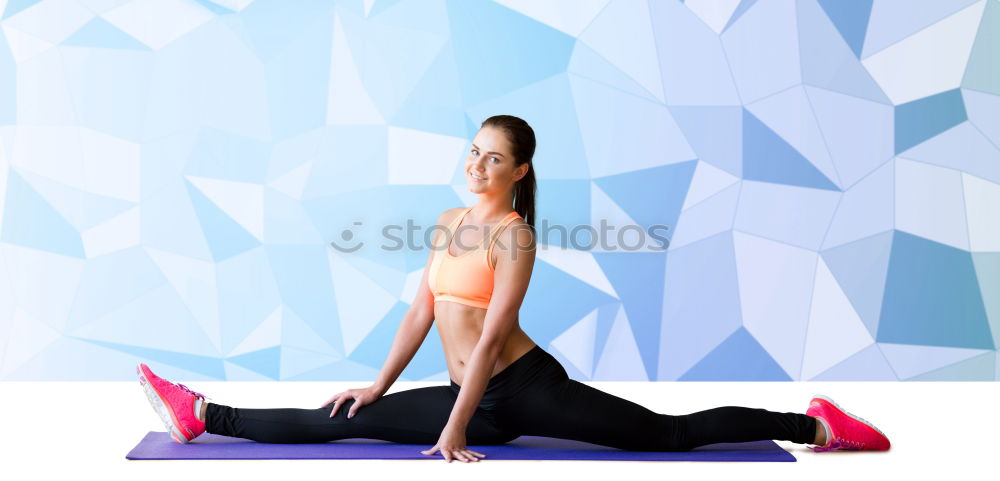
(503, 385)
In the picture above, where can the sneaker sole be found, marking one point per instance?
(866, 423)
(161, 408)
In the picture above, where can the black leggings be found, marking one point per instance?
(533, 396)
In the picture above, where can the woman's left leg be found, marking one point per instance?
(556, 406)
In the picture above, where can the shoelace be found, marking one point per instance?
(841, 443)
(186, 389)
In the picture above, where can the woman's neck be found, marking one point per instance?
(487, 209)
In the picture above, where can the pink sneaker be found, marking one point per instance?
(847, 431)
(174, 403)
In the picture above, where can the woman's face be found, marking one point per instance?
(490, 166)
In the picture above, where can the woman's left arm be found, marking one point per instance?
(515, 260)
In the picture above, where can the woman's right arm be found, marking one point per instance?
(416, 324)
(408, 339)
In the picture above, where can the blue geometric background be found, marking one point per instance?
(173, 171)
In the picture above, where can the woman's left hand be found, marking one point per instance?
(452, 445)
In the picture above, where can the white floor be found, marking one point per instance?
(84, 429)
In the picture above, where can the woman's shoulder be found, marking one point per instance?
(449, 215)
(519, 234)
(445, 219)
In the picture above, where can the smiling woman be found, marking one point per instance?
(503, 385)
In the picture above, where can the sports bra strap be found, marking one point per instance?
(496, 234)
(450, 231)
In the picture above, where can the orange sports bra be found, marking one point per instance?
(468, 277)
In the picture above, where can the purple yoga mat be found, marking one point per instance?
(158, 445)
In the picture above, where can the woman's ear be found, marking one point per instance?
(521, 171)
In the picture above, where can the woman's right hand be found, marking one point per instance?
(361, 397)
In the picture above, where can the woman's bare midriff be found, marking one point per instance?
(460, 328)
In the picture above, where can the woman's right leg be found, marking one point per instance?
(414, 416)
